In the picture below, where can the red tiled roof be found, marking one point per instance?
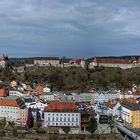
(39, 89)
(115, 61)
(56, 106)
(8, 102)
(3, 93)
(110, 104)
(128, 100)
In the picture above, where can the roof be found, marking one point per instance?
(3, 93)
(57, 106)
(128, 100)
(46, 58)
(12, 102)
(110, 104)
(133, 107)
(39, 89)
(114, 61)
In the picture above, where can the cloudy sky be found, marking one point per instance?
(69, 27)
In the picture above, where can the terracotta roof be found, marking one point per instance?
(39, 89)
(9, 102)
(110, 104)
(114, 61)
(3, 93)
(56, 106)
(128, 100)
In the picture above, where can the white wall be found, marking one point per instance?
(62, 119)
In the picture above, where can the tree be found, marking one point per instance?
(66, 129)
(2, 123)
(13, 128)
(92, 126)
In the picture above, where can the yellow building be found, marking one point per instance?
(130, 114)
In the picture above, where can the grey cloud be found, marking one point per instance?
(69, 27)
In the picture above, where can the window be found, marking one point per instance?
(57, 119)
(48, 118)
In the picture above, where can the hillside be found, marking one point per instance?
(77, 79)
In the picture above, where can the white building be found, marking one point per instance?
(47, 96)
(40, 105)
(62, 114)
(10, 107)
(15, 93)
(101, 98)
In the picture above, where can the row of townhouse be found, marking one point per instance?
(126, 109)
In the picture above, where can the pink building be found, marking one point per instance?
(24, 118)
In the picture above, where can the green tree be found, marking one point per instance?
(92, 126)
(66, 129)
(2, 123)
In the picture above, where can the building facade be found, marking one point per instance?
(62, 114)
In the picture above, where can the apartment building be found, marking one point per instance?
(62, 114)
(130, 114)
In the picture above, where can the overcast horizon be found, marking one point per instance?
(72, 28)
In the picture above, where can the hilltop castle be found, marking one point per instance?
(4, 61)
(115, 62)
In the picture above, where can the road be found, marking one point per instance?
(127, 131)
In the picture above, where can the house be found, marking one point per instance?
(3, 93)
(23, 118)
(10, 107)
(117, 110)
(39, 89)
(47, 96)
(85, 97)
(40, 105)
(130, 114)
(47, 61)
(69, 97)
(13, 92)
(76, 97)
(101, 98)
(62, 114)
(111, 95)
(47, 89)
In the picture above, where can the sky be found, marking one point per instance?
(71, 28)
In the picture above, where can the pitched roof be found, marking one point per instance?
(56, 106)
(39, 89)
(3, 93)
(114, 61)
(133, 107)
(128, 100)
(110, 104)
(12, 102)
